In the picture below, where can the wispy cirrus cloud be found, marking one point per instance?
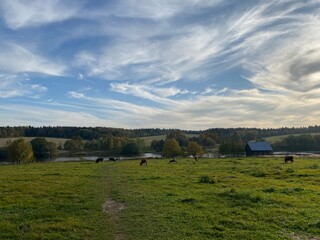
(19, 13)
(156, 94)
(240, 107)
(19, 86)
(197, 52)
(19, 115)
(152, 9)
(17, 59)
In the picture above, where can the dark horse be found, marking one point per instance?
(99, 160)
(143, 161)
(288, 159)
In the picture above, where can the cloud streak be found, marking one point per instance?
(18, 86)
(17, 59)
(21, 14)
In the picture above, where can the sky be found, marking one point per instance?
(186, 64)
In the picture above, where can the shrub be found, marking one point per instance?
(269, 190)
(258, 174)
(188, 200)
(292, 190)
(206, 179)
(289, 170)
(239, 198)
(314, 166)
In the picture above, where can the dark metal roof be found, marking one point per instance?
(259, 146)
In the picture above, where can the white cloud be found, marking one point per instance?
(157, 10)
(245, 108)
(161, 95)
(18, 86)
(293, 64)
(17, 59)
(20, 13)
(81, 76)
(39, 116)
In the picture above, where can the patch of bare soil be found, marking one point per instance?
(113, 208)
(296, 236)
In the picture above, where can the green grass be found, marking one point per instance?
(217, 199)
(53, 201)
(247, 198)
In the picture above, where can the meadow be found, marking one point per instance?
(244, 198)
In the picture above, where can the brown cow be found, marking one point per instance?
(288, 159)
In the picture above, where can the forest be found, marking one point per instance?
(90, 133)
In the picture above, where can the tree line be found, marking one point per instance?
(176, 143)
(90, 133)
(304, 142)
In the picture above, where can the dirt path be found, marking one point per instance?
(112, 208)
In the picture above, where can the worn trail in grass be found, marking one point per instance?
(217, 199)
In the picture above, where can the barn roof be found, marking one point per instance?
(259, 146)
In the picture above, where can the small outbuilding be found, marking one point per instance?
(258, 149)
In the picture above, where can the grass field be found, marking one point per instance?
(247, 198)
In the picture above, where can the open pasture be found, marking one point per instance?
(53, 201)
(249, 198)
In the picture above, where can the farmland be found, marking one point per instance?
(249, 198)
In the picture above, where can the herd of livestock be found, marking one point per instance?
(144, 161)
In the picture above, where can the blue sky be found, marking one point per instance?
(188, 64)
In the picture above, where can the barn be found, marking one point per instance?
(258, 149)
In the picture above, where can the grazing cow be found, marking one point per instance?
(196, 158)
(288, 159)
(99, 160)
(143, 161)
(112, 159)
(173, 161)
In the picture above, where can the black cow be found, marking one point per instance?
(143, 161)
(114, 159)
(99, 160)
(288, 159)
(173, 161)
